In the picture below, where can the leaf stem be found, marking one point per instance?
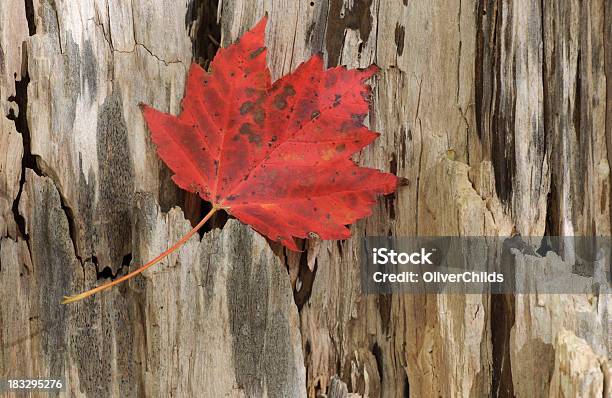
(80, 296)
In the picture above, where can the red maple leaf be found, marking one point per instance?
(275, 156)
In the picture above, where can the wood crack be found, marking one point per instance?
(108, 40)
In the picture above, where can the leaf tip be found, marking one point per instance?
(261, 25)
(290, 244)
(369, 72)
(143, 107)
(196, 69)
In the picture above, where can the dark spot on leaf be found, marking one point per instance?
(232, 197)
(257, 52)
(337, 100)
(274, 138)
(246, 107)
(358, 118)
(280, 102)
(340, 148)
(314, 115)
(259, 116)
(245, 129)
(253, 136)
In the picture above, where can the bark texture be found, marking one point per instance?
(498, 114)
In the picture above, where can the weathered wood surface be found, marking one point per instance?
(498, 113)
